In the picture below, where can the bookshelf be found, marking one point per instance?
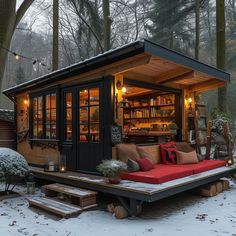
(153, 108)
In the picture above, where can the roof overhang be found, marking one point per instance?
(142, 60)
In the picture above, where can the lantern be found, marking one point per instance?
(30, 183)
(51, 166)
(62, 163)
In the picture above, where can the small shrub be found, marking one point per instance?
(13, 168)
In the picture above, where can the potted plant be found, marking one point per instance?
(112, 169)
(173, 127)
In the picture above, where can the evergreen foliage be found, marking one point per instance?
(13, 167)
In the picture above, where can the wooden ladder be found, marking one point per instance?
(64, 200)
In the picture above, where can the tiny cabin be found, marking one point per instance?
(7, 129)
(142, 88)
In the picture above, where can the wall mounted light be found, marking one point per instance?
(124, 90)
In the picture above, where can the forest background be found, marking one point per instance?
(187, 26)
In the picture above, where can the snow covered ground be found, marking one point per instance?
(180, 215)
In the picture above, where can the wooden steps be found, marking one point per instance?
(64, 200)
(63, 209)
(78, 196)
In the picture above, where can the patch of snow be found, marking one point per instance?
(180, 215)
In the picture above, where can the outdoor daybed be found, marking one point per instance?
(159, 172)
(164, 173)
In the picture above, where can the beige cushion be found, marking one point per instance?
(184, 147)
(151, 152)
(127, 151)
(186, 157)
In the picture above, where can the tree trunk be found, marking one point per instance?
(9, 19)
(107, 24)
(7, 26)
(197, 29)
(55, 48)
(220, 51)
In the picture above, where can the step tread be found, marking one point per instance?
(70, 190)
(54, 206)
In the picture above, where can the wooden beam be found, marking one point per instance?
(187, 75)
(171, 74)
(206, 85)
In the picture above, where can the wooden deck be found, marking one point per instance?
(135, 190)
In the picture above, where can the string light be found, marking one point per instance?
(19, 56)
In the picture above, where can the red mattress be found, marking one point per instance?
(164, 173)
(203, 166)
(160, 174)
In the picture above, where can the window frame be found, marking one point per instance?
(44, 122)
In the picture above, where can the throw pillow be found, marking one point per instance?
(132, 165)
(184, 147)
(151, 152)
(186, 157)
(145, 164)
(168, 153)
(127, 151)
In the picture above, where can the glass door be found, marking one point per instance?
(89, 128)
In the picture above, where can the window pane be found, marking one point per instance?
(83, 115)
(83, 97)
(35, 103)
(40, 103)
(40, 131)
(48, 101)
(94, 96)
(48, 115)
(94, 131)
(68, 99)
(48, 131)
(53, 131)
(69, 114)
(53, 115)
(68, 132)
(53, 100)
(84, 137)
(35, 130)
(94, 114)
(40, 116)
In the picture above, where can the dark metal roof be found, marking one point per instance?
(7, 115)
(115, 55)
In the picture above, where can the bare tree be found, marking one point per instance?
(9, 19)
(220, 49)
(107, 24)
(55, 44)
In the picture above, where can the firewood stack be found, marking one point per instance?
(212, 189)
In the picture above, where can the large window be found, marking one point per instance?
(44, 116)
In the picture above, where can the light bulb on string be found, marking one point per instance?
(17, 57)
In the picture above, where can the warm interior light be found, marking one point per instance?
(190, 100)
(124, 90)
